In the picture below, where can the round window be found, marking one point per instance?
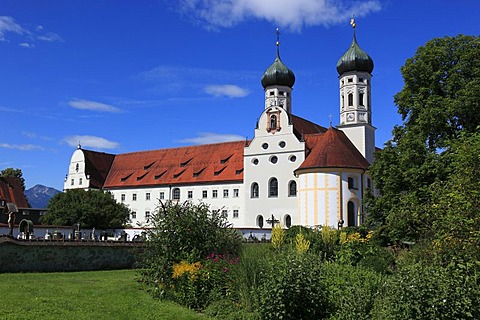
(255, 161)
(282, 144)
(274, 159)
(265, 146)
(293, 158)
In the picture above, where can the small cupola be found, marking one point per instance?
(355, 59)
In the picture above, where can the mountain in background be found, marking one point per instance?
(39, 196)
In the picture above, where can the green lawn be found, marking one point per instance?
(83, 295)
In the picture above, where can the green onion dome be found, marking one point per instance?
(278, 74)
(355, 59)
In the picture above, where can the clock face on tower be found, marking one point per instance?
(350, 117)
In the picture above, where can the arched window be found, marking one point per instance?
(292, 189)
(273, 121)
(360, 98)
(273, 188)
(176, 194)
(288, 221)
(351, 214)
(350, 99)
(254, 193)
(260, 221)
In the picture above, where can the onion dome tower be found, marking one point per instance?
(277, 81)
(355, 68)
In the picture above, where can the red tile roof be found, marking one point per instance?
(332, 149)
(302, 126)
(11, 191)
(221, 162)
(97, 165)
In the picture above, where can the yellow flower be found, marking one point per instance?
(183, 267)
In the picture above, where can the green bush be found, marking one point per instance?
(187, 233)
(291, 289)
(351, 290)
(429, 292)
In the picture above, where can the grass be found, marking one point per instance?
(83, 295)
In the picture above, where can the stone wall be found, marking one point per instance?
(59, 256)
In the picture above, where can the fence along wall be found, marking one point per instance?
(51, 256)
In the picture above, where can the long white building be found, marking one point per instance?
(293, 170)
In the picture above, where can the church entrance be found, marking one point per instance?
(351, 216)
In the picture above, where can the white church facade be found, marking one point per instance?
(293, 170)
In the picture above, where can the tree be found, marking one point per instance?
(439, 102)
(92, 209)
(10, 172)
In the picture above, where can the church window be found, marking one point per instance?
(162, 195)
(273, 187)
(134, 197)
(80, 181)
(351, 183)
(225, 193)
(224, 213)
(260, 221)
(147, 214)
(351, 214)
(255, 161)
(235, 213)
(147, 196)
(77, 167)
(281, 93)
(72, 182)
(360, 98)
(134, 215)
(176, 194)
(350, 80)
(254, 190)
(343, 101)
(292, 158)
(274, 159)
(282, 144)
(273, 121)
(214, 193)
(350, 99)
(204, 194)
(265, 146)
(235, 193)
(292, 189)
(361, 80)
(190, 194)
(272, 93)
(288, 221)
(122, 197)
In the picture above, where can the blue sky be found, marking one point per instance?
(123, 76)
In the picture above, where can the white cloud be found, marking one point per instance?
(209, 137)
(90, 141)
(22, 147)
(26, 45)
(226, 90)
(49, 37)
(291, 14)
(92, 105)
(8, 24)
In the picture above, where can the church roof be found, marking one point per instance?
(220, 162)
(11, 191)
(354, 59)
(302, 126)
(97, 165)
(332, 149)
(278, 74)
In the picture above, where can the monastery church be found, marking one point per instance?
(293, 170)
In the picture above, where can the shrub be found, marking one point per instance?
(292, 289)
(190, 233)
(351, 290)
(429, 292)
(278, 237)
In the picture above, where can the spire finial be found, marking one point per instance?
(352, 22)
(330, 116)
(277, 32)
(79, 145)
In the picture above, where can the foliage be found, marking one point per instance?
(17, 173)
(429, 292)
(301, 244)
(439, 102)
(291, 288)
(91, 209)
(352, 291)
(194, 243)
(278, 237)
(98, 295)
